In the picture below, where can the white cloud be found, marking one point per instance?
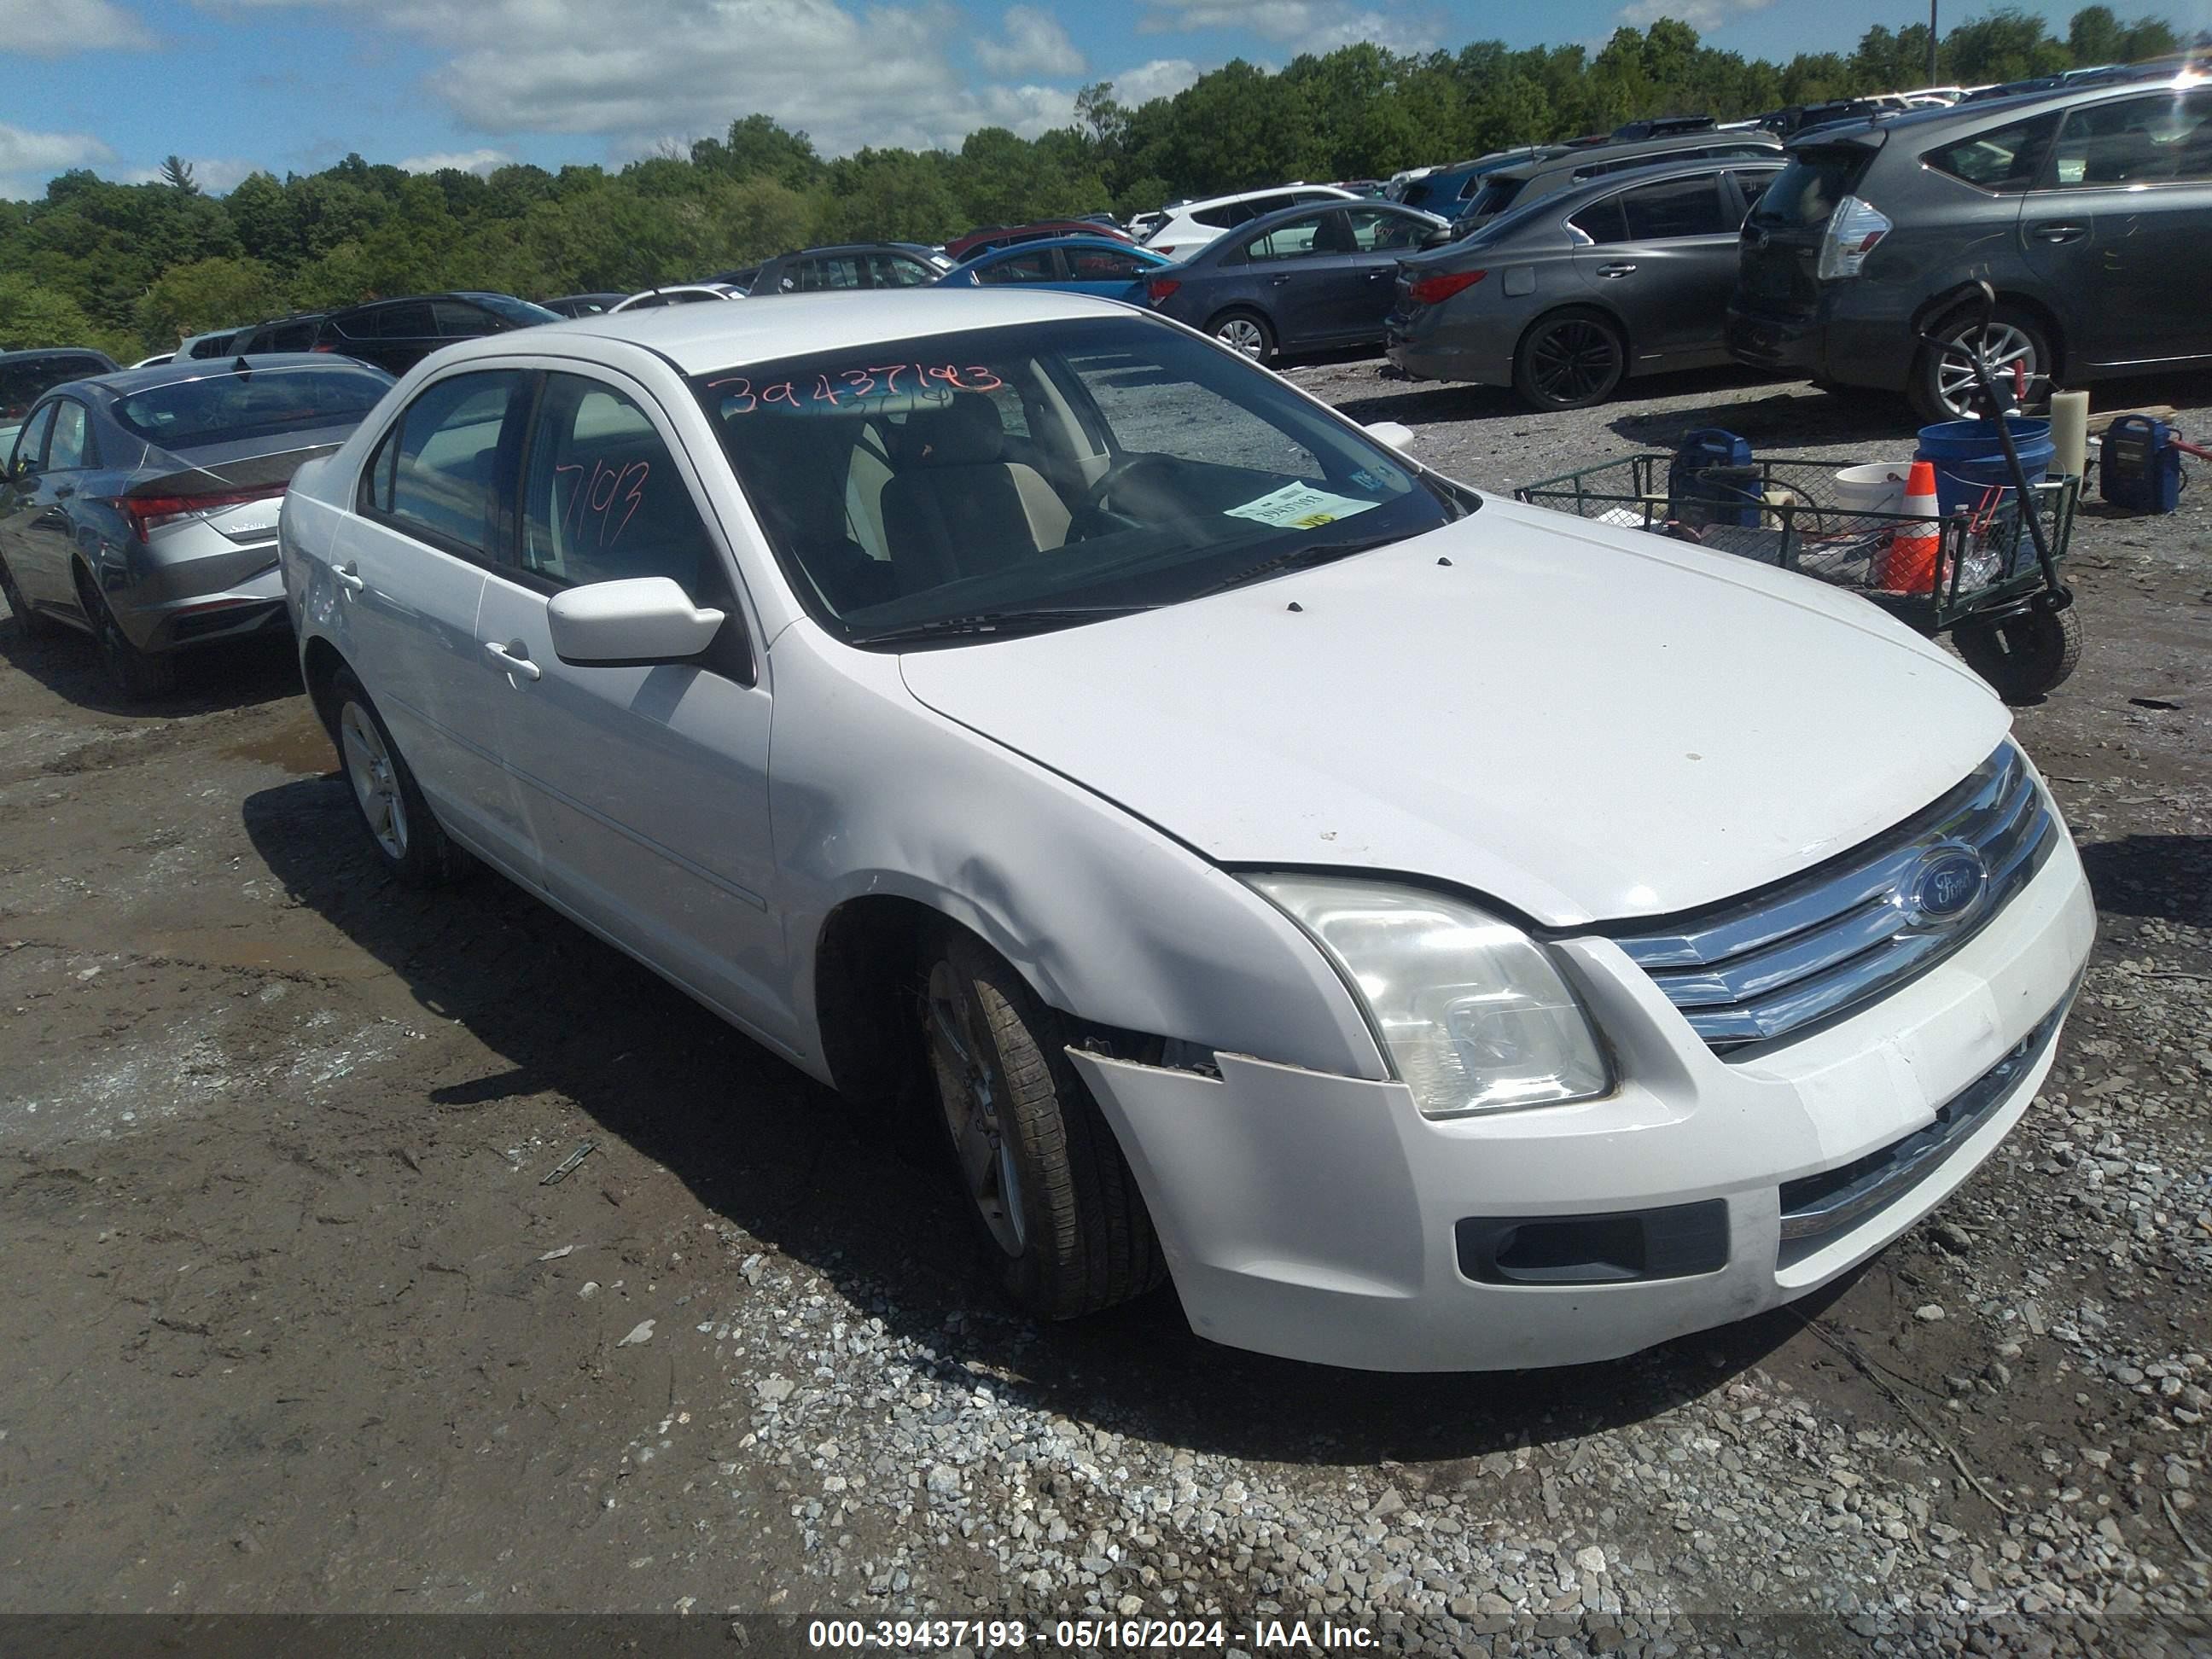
(1035, 44)
(463, 160)
(1703, 16)
(56, 29)
(27, 160)
(214, 173)
(1163, 77)
(1301, 25)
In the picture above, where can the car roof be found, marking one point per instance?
(2019, 104)
(697, 339)
(1566, 160)
(1590, 189)
(128, 381)
(1197, 202)
(31, 353)
(1109, 243)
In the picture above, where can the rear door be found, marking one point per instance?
(1305, 277)
(1112, 273)
(409, 562)
(1663, 256)
(20, 501)
(40, 554)
(646, 787)
(2120, 224)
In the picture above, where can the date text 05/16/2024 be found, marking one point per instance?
(1014, 1635)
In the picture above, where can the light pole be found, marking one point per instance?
(1931, 42)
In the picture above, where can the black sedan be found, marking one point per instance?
(1298, 279)
(1565, 298)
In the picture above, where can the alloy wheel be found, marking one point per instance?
(1572, 361)
(1243, 334)
(375, 781)
(2005, 345)
(972, 1094)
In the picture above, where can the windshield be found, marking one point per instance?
(514, 310)
(1075, 467)
(1496, 194)
(219, 407)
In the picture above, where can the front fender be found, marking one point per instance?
(1107, 917)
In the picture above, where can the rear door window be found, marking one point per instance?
(1099, 264)
(1300, 238)
(437, 475)
(830, 273)
(456, 319)
(1675, 208)
(898, 271)
(411, 321)
(2005, 158)
(1602, 221)
(71, 447)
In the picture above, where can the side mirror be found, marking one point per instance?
(640, 621)
(1437, 236)
(1396, 433)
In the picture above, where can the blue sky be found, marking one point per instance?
(292, 85)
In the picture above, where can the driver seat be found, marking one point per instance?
(956, 506)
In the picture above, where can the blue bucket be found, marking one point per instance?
(1971, 472)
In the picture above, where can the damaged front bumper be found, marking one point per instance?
(1322, 1218)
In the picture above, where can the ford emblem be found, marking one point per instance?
(1943, 886)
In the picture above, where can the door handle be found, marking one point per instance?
(513, 658)
(1621, 270)
(2060, 233)
(1378, 275)
(1277, 282)
(348, 576)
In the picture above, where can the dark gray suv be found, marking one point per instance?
(1549, 171)
(2089, 212)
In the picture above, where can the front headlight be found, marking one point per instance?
(1473, 1013)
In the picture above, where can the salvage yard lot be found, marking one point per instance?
(295, 1324)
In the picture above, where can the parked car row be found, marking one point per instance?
(2088, 210)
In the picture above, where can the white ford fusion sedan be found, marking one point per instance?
(1435, 932)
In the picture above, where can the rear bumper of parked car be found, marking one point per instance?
(1831, 343)
(1324, 1218)
(200, 601)
(1429, 345)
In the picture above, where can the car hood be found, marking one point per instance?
(1583, 723)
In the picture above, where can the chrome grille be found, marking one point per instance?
(1821, 944)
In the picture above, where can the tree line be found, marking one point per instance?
(131, 268)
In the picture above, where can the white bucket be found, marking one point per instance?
(1878, 488)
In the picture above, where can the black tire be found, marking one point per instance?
(1254, 336)
(1045, 1182)
(409, 842)
(2015, 329)
(32, 624)
(1571, 359)
(136, 675)
(2027, 656)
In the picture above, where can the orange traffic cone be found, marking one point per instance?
(1909, 565)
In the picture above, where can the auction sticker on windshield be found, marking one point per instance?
(1300, 507)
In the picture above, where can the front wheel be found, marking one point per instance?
(2024, 657)
(1063, 1223)
(1570, 359)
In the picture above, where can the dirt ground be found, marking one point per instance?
(295, 1322)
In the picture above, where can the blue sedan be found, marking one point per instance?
(1068, 265)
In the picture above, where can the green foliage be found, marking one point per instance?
(115, 265)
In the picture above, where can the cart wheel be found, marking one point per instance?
(2027, 656)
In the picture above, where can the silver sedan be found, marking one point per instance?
(140, 507)
(1567, 298)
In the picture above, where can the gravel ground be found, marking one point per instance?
(296, 1327)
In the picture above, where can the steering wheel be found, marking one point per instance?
(1091, 516)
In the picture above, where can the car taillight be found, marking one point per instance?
(320, 347)
(148, 514)
(1436, 289)
(1159, 288)
(1164, 253)
(1853, 229)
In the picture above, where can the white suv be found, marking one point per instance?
(1281, 868)
(1190, 226)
